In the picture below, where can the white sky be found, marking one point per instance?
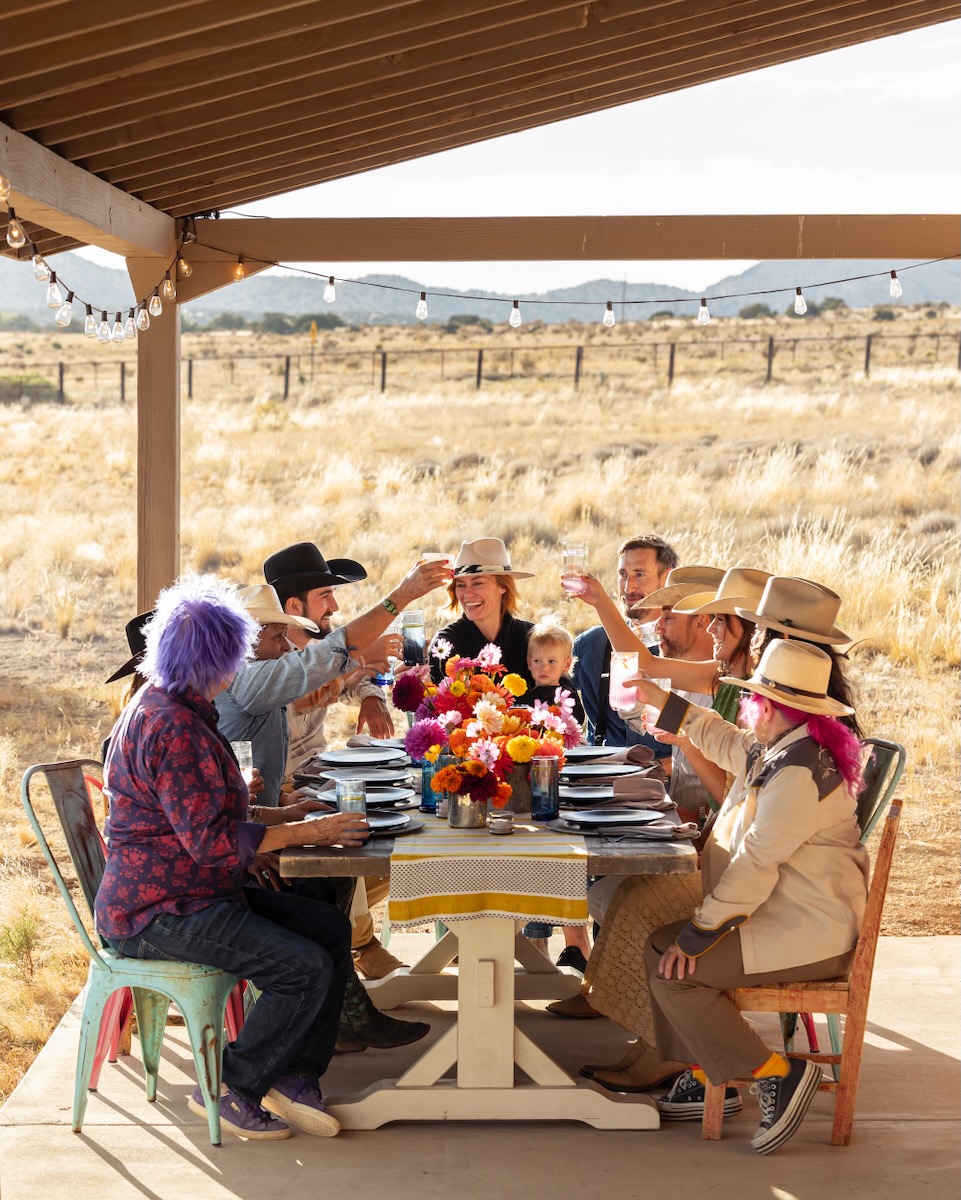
(861, 130)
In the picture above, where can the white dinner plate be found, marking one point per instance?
(589, 753)
(586, 795)
(587, 770)
(376, 776)
(382, 822)
(363, 756)
(394, 742)
(387, 798)
(613, 816)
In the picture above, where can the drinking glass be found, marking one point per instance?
(385, 677)
(652, 711)
(415, 637)
(244, 753)
(433, 556)
(352, 796)
(545, 796)
(574, 569)
(623, 665)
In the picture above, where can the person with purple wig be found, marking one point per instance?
(784, 875)
(180, 846)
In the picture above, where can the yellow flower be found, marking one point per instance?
(457, 688)
(432, 753)
(515, 685)
(522, 748)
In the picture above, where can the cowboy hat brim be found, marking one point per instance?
(668, 597)
(837, 637)
(822, 706)
(273, 616)
(707, 602)
(339, 571)
(481, 569)
(128, 668)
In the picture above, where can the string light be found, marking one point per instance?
(116, 334)
(103, 330)
(41, 272)
(5, 189)
(238, 272)
(896, 289)
(515, 317)
(65, 312)
(143, 320)
(54, 297)
(129, 327)
(155, 307)
(184, 268)
(800, 304)
(609, 319)
(168, 289)
(703, 313)
(16, 237)
(330, 292)
(90, 323)
(420, 312)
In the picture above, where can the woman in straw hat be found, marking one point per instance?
(785, 881)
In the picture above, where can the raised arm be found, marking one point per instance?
(420, 580)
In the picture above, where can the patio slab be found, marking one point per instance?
(906, 1139)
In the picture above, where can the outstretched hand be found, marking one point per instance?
(424, 577)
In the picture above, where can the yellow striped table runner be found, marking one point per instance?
(444, 874)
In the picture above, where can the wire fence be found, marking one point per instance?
(650, 361)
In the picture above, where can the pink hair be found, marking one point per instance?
(830, 734)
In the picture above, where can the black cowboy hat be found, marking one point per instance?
(135, 640)
(302, 567)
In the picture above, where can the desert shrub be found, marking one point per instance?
(752, 311)
(14, 388)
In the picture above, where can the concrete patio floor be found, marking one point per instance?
(906, 1137)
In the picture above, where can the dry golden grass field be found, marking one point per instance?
(826, 473)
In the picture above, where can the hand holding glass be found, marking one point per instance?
(574, 568)
(352, 796)
(244, 753)
(623, 665)
(653, 711)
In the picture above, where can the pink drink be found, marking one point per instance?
(623, 665)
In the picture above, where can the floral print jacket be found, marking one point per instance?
(178, 840)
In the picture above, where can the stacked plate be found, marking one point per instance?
(386, 824)
(383, 768)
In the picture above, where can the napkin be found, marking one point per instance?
(360, 739)
(636, 756)
(665, 830)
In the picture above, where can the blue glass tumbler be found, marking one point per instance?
(545, 799)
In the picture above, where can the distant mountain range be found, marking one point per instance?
(373, 300)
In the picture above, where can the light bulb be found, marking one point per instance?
(16, 238)
(420, 312)
(609, 318)
(129, 327)
(168, 289)
(54, 295)
(41, 272)
(703, 313)
(184, 267)
(515, 317)
(103, 330)
(800, 304)
(238, 271)
(143, 320)
(896, 289)
(116, 334)
(65, 312)
(155, 307)
(330, 293)
(90, 323)
(4, 189)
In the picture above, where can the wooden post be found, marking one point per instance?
(480, 367)
(61, 395)
(286, 376)
(670, 364)
(383, 370)
(770, 359)
(867, 353)
(123, 382)
(578, 361)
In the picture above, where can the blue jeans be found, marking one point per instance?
(295, 950)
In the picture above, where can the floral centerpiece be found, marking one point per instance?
(476, 713)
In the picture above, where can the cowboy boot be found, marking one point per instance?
(362, 1021)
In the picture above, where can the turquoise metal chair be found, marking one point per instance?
(199, 992)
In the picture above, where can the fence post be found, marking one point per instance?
(480, 367)
(867, 353)
(670, 364)
(190, 379)
(383, 369)
(123, 382)
(286, 376)
(578, 361)
(61, 396)
(770, 358)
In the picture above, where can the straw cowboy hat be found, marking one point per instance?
(263, 604)
(795, 674)
(681, 583)
(486, 556)
(137, 644)
(302, 567)
(799, 608)
(740, 586)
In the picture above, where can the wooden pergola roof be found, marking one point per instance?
(116, 123)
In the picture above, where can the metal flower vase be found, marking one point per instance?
(465, 813)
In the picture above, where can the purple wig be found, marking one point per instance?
(830, 734)
(199, 636)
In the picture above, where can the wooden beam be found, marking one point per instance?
(588, 238)
(62, 197)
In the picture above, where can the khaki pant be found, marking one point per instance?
(361, 922)
(695, 1022)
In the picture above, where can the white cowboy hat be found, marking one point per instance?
(263, 604)
(799, 608)
(740, 586)
(681, 583)
(796, 674)
(486, 556)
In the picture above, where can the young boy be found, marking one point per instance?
(550, 650)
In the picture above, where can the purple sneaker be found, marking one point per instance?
(298, 1100)
(241, 1117)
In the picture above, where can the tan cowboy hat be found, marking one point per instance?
(681, 583)
(796, 674)
(486, 556)
(740, 586)
(263, 604)
(800, 609)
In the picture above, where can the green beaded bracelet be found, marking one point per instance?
(390, 606)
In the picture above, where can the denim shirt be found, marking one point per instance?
(253, 708)
(589, 650)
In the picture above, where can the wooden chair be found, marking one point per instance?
(847, 996)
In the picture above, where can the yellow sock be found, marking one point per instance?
(777, 1064)
(698, 1074)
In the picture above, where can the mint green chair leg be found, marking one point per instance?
(151, 1009)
